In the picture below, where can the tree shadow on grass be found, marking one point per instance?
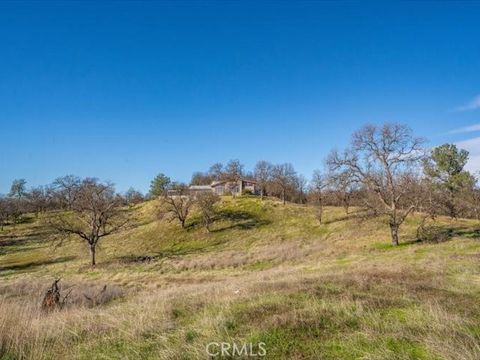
(34, 264)
(468, 233)
(7, 238)
(440, 233)
(176, 250)
(239, 219)
(356, 214)
(15, 244)
(7, 250)
(434, 234)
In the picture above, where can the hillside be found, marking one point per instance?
(266, 273)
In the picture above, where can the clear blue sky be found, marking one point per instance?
(124, 90)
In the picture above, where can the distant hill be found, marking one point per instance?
(267, 273)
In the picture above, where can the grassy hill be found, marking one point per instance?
(266, 273)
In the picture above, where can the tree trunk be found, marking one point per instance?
(206, 222)
(394, 233)
(346, 202)
(283, 196)
(320, 213)
(261, 193)
(92, 254)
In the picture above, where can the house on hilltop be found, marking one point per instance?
(234, 187)
(226, 187)
(195, 189)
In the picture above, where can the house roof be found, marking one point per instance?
(216, 183)
(200, 187)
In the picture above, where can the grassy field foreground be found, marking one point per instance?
(266, 273)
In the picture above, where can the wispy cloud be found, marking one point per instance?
(466, 129)
(472, 105)
(473, 147)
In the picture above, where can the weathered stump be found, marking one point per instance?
(51, 300)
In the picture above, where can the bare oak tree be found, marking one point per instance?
(216, 172)
(382, 159)
(95, 213)
(263, 174)
(65, 189)
(470, 199)
(38, 199)
(344, 185)
(133, 197)
(284, 177)
(5, 210)
(178, 206)
(233, 173)
(206, 204)
(318, 184)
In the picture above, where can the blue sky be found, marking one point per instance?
(124, 90)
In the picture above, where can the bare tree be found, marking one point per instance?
(200, 178)
(5, 209)
(95, 213)
(178, 206)
(344, 185)
(318, 184)
(18, 190)
(382, 159)
(283, 176)
(17, 200)
(206, 204)
(233, 173)
(37, 199)
(216, 171)
(262, 175)
(133, 197)
(470, 199)
(299, 189)
(16, 208)
(66, 189)
(428, 198)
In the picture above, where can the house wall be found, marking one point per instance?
(247, 185)
(219, 189)
(236, 188)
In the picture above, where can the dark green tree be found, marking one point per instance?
(159, 185)
(18, 189)
(446, 169)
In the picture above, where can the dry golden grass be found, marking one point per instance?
(267, 273)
